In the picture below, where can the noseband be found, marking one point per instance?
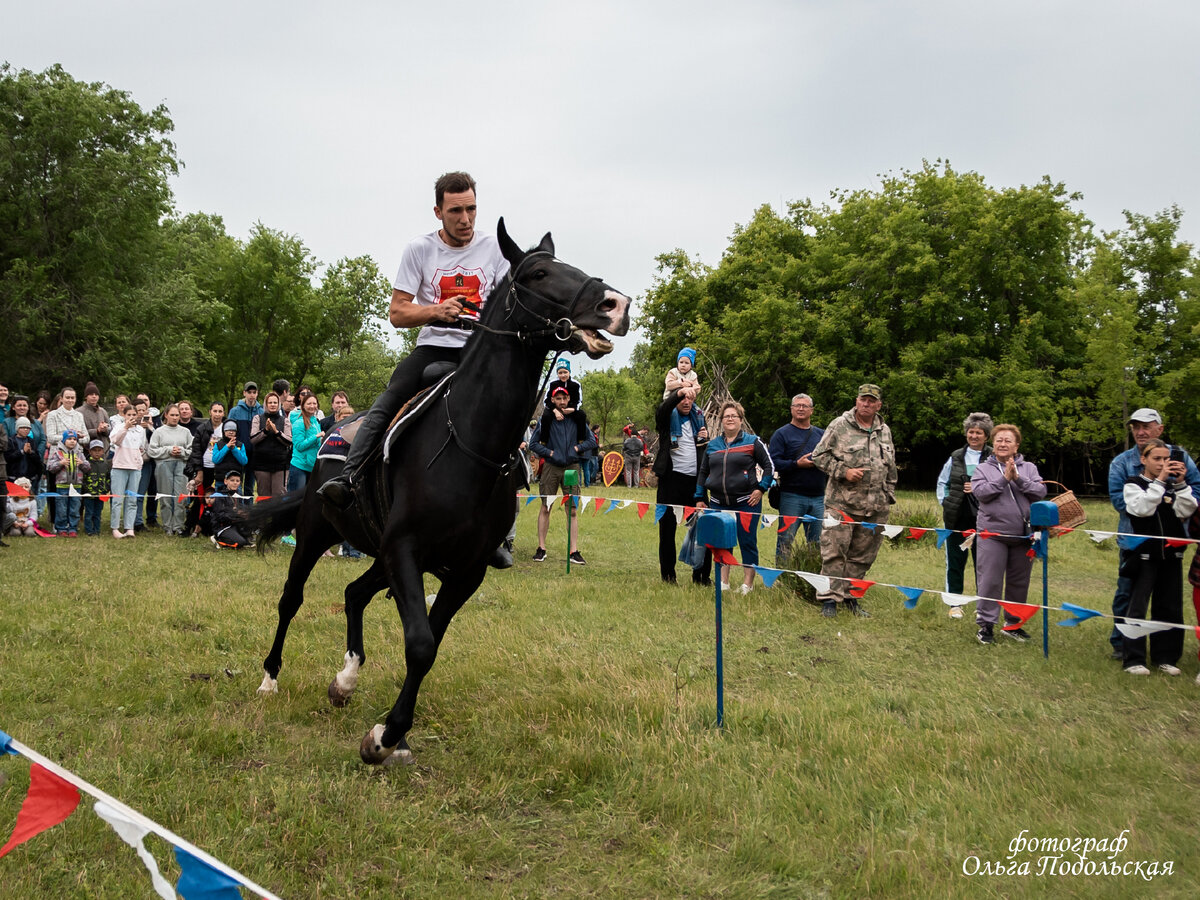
(561, 328)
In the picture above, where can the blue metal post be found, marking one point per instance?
(1044, 515)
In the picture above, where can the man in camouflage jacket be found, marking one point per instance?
(857, 454)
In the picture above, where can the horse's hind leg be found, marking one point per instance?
(308, 550)
(358, 594)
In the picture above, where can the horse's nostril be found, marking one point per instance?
(608, 305)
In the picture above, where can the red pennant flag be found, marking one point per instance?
(724, 557)
(786, 522)
(744, 520)
(915, 534)
(642, 508)
(1177, 542)
(104, 498)
(687, 512)
(858, 587)
(966, 534)
(1023, 611)
(985, 534)
(565, 500)
(846, 518)
(596, 510)
(15, 490)
(49, 801)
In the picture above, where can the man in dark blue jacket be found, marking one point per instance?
(561, 441)
(801, 484)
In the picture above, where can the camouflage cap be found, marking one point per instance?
(870, 390)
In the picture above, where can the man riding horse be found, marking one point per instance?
(444, 280)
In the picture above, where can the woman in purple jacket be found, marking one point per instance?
(1004, 485)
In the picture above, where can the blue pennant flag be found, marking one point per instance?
(871, 526)
(612, 504)
(768, 576)
(1131, 541)
(660, 510)
(808, 518)
(942, 534)
(6, 744)
(911, 595)
(200, 881)
(530, 499)
(1080, 613)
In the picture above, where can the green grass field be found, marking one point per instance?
(565, 739)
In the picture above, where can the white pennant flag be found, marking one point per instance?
(820, 582)
(957, 599)
(1099, 536)
(831, 522)
(624, 503)
(769, 519)
(134, 835)
(1135, 630)
(892, 530)
(71, 492)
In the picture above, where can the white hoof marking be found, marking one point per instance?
(269, 685)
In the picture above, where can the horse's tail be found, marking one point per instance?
(273, 518)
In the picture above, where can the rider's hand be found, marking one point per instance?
(448, 310)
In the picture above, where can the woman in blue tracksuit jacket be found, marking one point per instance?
(729, 480)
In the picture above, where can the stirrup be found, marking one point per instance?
(337, 492)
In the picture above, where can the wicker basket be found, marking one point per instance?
(1070, 511)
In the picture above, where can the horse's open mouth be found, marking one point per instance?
(594, 344)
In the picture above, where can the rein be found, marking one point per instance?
(561, 329)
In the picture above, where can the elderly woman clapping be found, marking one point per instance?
(1004, 485)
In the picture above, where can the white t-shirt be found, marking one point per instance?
(433, 272)
(683, 457)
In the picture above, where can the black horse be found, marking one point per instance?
(453, 493)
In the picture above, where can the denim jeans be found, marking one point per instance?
(297, 479)
(791, 504)
(66, 511)
(124, 507)
(93, 512)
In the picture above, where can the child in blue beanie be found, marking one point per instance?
(683, 375)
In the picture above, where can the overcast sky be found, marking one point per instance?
(632, 128)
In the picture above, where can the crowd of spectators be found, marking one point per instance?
(153, 467)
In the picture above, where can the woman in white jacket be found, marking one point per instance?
(170, 448)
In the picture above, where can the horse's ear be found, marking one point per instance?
(547, 244)
(507, 246)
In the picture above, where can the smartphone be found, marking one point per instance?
(1176, 454)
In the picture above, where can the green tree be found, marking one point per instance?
(83, 186)
(610, 398)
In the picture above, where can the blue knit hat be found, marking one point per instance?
(563, 363)
(689, 353)
(68, 434)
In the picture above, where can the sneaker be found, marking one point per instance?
(829, 609)
(956, 612)
(1168, 669)
(213, 538)
(137, 528)
(1020, 635)
(1136, 670)
(130, 533)
(540, 555)
(72, 534)
(578, 559)
(747, 588)
(857, 609)
(118, 534)
(724, 586)
(984, 636)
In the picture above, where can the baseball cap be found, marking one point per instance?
(96, 443)
(870, 390)
(1146, 414)
(250, 386)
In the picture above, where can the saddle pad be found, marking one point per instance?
(411, 412)
(337, 443)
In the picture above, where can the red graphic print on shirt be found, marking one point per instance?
(466, 285)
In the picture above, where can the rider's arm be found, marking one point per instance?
(405, 313)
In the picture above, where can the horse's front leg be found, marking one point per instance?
(303, 560)
(358, 594)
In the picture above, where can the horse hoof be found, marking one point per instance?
(372, 750)
(401, 756)
(269, 685)
(338, 697)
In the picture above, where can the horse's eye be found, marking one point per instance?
(539, 274)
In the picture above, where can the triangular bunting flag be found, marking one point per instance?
(200, 881)
(71, 492)
(858, 587)
(957, 599)
(6, 745)
(723, 556)
(820, 582)
(769, 576)
(911, 596)
(530, 499)
(1079, 613)
(611, 506)
(1023, 612)
(1134, 540)
(845, 518)
(1099, 536)
(642, 508)
(870, 526)
(890, 531)
(625, 503)
(769, 519)
(985, 534)
(915, 534)
(135, 835)
(1135, 630)
(660, 510)
(942, 534)
(1177, 542)
(786, 522)
(830, 522)
(687, 512)
(49, 801)
(744, 520)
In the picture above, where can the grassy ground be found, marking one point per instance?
(565, 740)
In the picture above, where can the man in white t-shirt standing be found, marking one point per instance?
(444, 280)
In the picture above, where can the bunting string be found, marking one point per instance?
(54, 794)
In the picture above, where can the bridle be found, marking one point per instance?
(562, 329)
